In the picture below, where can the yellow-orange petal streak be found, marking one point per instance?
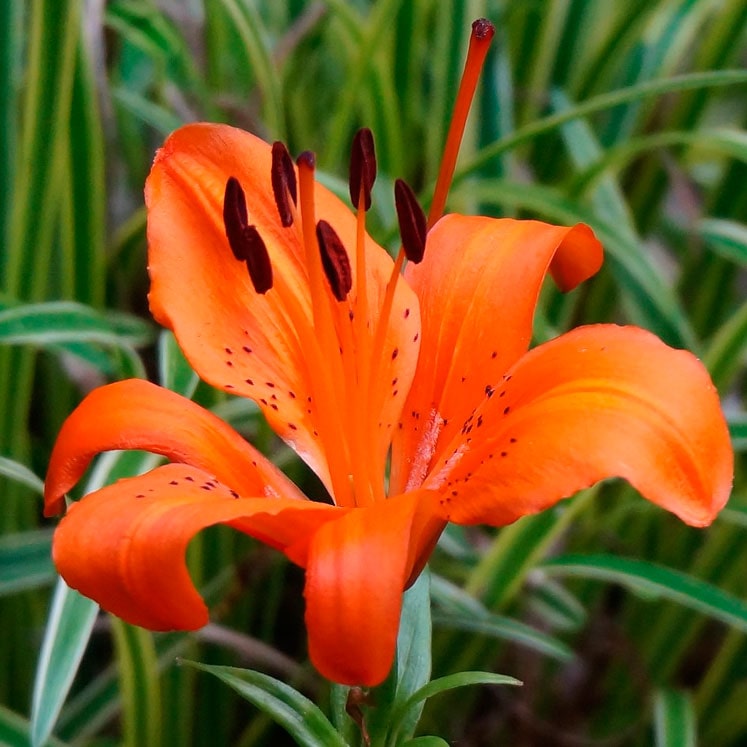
(249, 344)
(136, 414)
(124, 545)
(478, 286)
(600, 401)
(356, 572)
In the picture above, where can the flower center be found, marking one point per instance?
(346, 345)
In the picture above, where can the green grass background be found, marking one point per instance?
(626, 627)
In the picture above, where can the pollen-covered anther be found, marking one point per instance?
(412, 222)
(362, 168)
(335, 260)
(283, 178)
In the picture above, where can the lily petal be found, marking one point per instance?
(477, 286)
(236, 339)
(136, 414)
(357, 570)
(600, 401)
(124, 545)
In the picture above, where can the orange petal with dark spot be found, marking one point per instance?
(478, 286)
(136, 414)
(124, 545)
(600, 401)
(236, 339)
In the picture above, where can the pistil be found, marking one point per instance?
(479, 42)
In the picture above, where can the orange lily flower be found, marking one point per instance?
(353, 363)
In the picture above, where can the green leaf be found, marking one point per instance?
(640, 91)
(21, 474)
(69, 626)
(174, 370)
(413, 663)
(14, 730)
(56, 322)
(653, 581)
(26, 561)
(442, 684)
(459, 611)
(555, 605)
(158, 117)
(738, 430)
(426, 742)
(138, 684)
(607, 198)
(303, 720)
(726, 237)
(412, 666)
(71, 616)
(506, 629)
(674, 719)
(732, 143)
(727, 351)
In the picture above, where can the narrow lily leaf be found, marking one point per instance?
(138, 684)
(293, 711)
(175, 373)
(250, 29)
(732, 143)
(554, 604)
(640, 91)
(736, 515)
(21, 474)
(69, 626)
(728, 349)
(71, 618)
(14, 730)
(655, 582)
(506, 629)
(412, 666)
(442, 684)
(459, 611)
(158, 117)
(674, 719)
(607, 198)
(25, 561)
(738, 430)
(426, 742)
(726, 237)
(99, 701)
(58, 322)
(413, 650)
(338, 697)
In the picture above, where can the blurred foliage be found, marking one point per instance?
(629, 116)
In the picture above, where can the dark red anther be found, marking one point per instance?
(283, 178)
(362, 167)
(334, 260)
(257, 259)
(482, 29)
(234, 216)
(412, 223)
(245, 242)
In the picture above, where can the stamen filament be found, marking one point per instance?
(333, 418)
(479, 42)
(382, 324)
